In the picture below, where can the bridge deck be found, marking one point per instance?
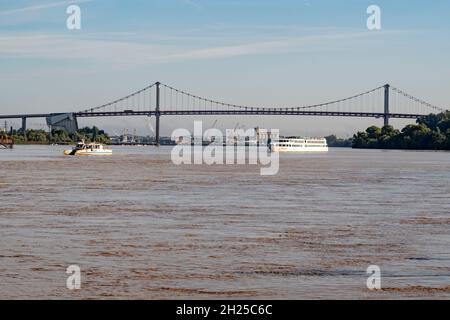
(248, 112)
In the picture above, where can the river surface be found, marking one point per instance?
(140, 227)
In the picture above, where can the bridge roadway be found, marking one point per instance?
(244, 112)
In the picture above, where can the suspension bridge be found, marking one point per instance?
(159, 99)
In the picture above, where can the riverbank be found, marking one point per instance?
(59, 137)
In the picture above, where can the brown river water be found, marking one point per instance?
(140, 227)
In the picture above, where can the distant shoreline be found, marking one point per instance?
(147, 145)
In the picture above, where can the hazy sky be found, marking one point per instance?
(259, 52)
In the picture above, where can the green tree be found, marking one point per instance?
(373, 132)
(431, 121)
(432, 132)
(334, 141)
(360, 140)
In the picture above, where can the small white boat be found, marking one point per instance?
(90, 149)
(296, 144)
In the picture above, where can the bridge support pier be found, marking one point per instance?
(24, 126)
(157, 113)
(386, 104)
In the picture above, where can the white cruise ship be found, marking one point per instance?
(297, 144)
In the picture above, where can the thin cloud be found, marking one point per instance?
(193, 4)
(42, 7)
(61, 48)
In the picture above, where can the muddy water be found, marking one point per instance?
(140, 227)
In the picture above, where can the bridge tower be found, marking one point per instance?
(24, 126)
(157, 112)
(386, 104)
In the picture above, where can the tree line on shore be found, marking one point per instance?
(335, 142)
(431, 132)
(87, 134)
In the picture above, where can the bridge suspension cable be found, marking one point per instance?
(229, 105)
(417, 100)
(173, 99)
(133, 95)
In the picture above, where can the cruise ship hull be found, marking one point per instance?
(300, 145)
(299, 149)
